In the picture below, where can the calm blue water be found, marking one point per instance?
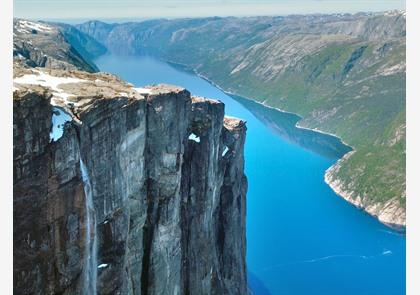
(302, 238)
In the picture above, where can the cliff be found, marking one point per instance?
(343, 74)
(122, 190)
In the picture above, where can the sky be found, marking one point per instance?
(126, 9)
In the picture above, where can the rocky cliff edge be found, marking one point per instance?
(141, 192)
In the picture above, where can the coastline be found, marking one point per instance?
(389, 213)
(186, 68)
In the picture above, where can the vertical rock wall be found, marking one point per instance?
(48, 202)
(169, 208)
(214, 189)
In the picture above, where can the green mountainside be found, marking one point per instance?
(344, 74)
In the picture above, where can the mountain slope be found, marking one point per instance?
(87, 46)
(344, 74)
(39, 44)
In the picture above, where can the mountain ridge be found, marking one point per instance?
(343, 74)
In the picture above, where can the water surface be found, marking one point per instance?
(302, 239)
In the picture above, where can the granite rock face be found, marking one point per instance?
(166, 176)
(48, 206)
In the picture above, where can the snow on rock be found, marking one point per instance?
(225, 151)
(103, 265)
(194, 137)
(26, 26)
(52, 82)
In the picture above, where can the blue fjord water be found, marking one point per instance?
(302, 239)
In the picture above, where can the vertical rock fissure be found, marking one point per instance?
(148, 225)
(147, 242)
(153, 215)
(185, 219)
(91, 249)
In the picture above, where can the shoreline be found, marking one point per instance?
(381, 212)
(261, 103)
(384, 213)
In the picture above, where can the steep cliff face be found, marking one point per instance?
(144, 193)
(48, 202)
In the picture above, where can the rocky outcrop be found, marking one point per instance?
(39, 44)
(165, 174)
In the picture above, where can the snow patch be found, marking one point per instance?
(52, 82)
(194, 137)
(24, 24)
(225, 151)
(103, 265)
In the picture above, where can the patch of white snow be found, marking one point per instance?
(225, 151)
(34, 26)
(194, 137)
(103, 265)
(52, 82)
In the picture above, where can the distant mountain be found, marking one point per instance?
(343, 73)
(87, 46)
(39, 44)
